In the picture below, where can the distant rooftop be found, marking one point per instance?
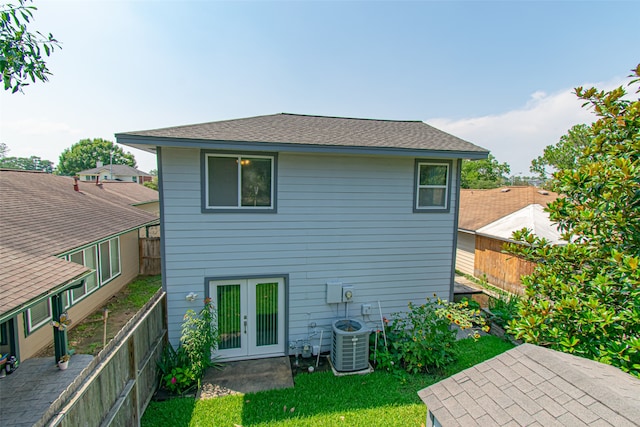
(125, 170)
(482, 207)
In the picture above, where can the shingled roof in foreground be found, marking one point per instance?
(531, 385)
(287, 131)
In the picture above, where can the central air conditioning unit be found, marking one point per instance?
(350, 347)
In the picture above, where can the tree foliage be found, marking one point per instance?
(84, 154)
(33, 163)
(584, 297)
(563, 155)
(485, 173)
(21, 51)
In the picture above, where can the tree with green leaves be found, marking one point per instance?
(86, 153)
(564, 154)
(32, 163)
(485, 173)
(21, 51)
(584, 297)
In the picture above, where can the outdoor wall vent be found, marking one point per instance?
(350, 346)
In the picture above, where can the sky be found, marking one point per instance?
(498, 74)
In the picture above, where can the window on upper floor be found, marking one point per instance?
(433, 184)
(239, 182)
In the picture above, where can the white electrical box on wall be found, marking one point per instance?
(334, 292)
(347, 293)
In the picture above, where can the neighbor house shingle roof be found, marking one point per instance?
(127, 193)
(294, 129)
(115, 169)
(531, 385)
(481, 207)
(41, 216)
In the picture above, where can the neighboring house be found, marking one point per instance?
(534, 386)
(62, 248)
(114, 173)
(280, 218)
(488, 219)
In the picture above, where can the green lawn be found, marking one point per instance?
(322, 399)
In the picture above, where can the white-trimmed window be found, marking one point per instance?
(88, 258)
(109, 259)
(38, 315)
(432, 186)
(239, 182)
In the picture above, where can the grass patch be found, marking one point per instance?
(85, 337)
(322, 399)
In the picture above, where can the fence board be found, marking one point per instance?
(501, 270)
(150, 262)
(118, 384)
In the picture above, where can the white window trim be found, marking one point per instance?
(30, 327)
(239, 206)
(71, 299)
(419, 187)
(99, 262)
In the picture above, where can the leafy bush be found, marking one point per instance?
(182, 368)
(583, 297)
(421, 340)
(504, 308)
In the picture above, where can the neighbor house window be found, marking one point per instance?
(239, 182)
(432, 186)
(109, 259)
(88, 258)
(38, 315)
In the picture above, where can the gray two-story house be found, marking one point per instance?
(289, 222)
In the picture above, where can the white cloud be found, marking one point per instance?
(520, 135)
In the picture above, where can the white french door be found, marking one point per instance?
(250, 316)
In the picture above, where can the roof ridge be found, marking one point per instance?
(350, 118)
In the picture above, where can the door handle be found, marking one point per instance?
(245, 324)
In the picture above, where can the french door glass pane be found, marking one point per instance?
(229, 321)
(266, 314)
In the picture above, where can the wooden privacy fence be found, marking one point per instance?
(150, 256)
(118, 384)
(501, 270)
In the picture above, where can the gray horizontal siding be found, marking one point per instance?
(347, 218)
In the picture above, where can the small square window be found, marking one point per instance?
(432, 186)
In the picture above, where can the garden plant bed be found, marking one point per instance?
(85, 337)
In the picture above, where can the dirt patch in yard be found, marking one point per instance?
(86, 336)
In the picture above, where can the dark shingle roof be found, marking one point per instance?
(319, 131)
(531, 385)
(41, 216)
